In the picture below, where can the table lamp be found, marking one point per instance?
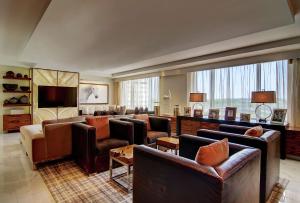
(197, 98)
(263, 97)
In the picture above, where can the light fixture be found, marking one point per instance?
(197, 98)
(263, 97)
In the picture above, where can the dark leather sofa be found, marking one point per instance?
(160, 127)
(268, 143)
(93, 155)
(164, 177)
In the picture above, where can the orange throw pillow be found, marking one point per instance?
(144, 117)
(213, 154)
(101, 123)
(256, 131)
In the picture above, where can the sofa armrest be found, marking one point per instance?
(121, 130)
(160, 124)
(84, 146)
(157, 174)
(58, 139)
(140, 130)
(238, 129)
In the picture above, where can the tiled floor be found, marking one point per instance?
(18, 183)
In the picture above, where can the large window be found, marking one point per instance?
(140, 92)
(232, 86)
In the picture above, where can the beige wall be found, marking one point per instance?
(177, 84)
(3, 96)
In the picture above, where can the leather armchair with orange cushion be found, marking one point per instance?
(148, 128)
(268, 143)
(92, 141)
(164, 177)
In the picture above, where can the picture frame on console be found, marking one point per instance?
(198, 113)
(278, 116)
(245, 117)
(91, 93)
(214, 113)
(230, 113)
(187, 111)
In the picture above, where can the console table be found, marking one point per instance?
(190, 125)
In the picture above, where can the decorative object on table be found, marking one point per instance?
(10, 87)
(19, 75)
(6, 101)
(278, 116)
(187, 111)
(13, 100)
(90, 93)
(262, 111)
(26, 76)
(197, 98)
(245, 117)
(176, 110)
(24, 99)
(230, 113)
(24, 88)
(214, 113)
(198, 113)
(156, 109)
(10, 74)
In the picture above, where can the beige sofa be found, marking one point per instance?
(50, 140)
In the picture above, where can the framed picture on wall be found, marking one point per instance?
(214, 113)
(230, 113)
(90, 93)
(278, 116)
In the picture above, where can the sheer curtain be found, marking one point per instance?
(232, 86)
(140, 92)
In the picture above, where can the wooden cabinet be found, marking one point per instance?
(293, 143)
(14, 122)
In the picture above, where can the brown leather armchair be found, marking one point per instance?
(268, 143)
(92, 155)
(164, 177)
(160, 127)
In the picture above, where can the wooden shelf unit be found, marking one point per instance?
(17, 91)
(15, 78)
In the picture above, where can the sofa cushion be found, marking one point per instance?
(144, 117)
(101, 123)
(213, 154)
(153, 135)
(256, 131)
(103, 146)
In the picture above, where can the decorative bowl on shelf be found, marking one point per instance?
(24, 88)
(13, 100)
(26, 76)
(10, 74)
(10, 87)
(19, 75)
(24, 99)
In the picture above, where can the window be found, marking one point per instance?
(140, 92)
(232, 86)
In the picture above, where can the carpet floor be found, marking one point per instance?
(68, 183)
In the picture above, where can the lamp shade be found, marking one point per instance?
(263, 97)
(197, 97)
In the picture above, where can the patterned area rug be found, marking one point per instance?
(68, 183)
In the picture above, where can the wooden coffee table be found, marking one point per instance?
(123, 156)
(168, 142)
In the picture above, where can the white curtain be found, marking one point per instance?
(140, 92)
(232, 86)
(294, 93)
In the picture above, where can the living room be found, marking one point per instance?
(150, 101)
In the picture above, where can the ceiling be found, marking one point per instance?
(105, 37)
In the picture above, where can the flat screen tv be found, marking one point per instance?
(52, 96)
